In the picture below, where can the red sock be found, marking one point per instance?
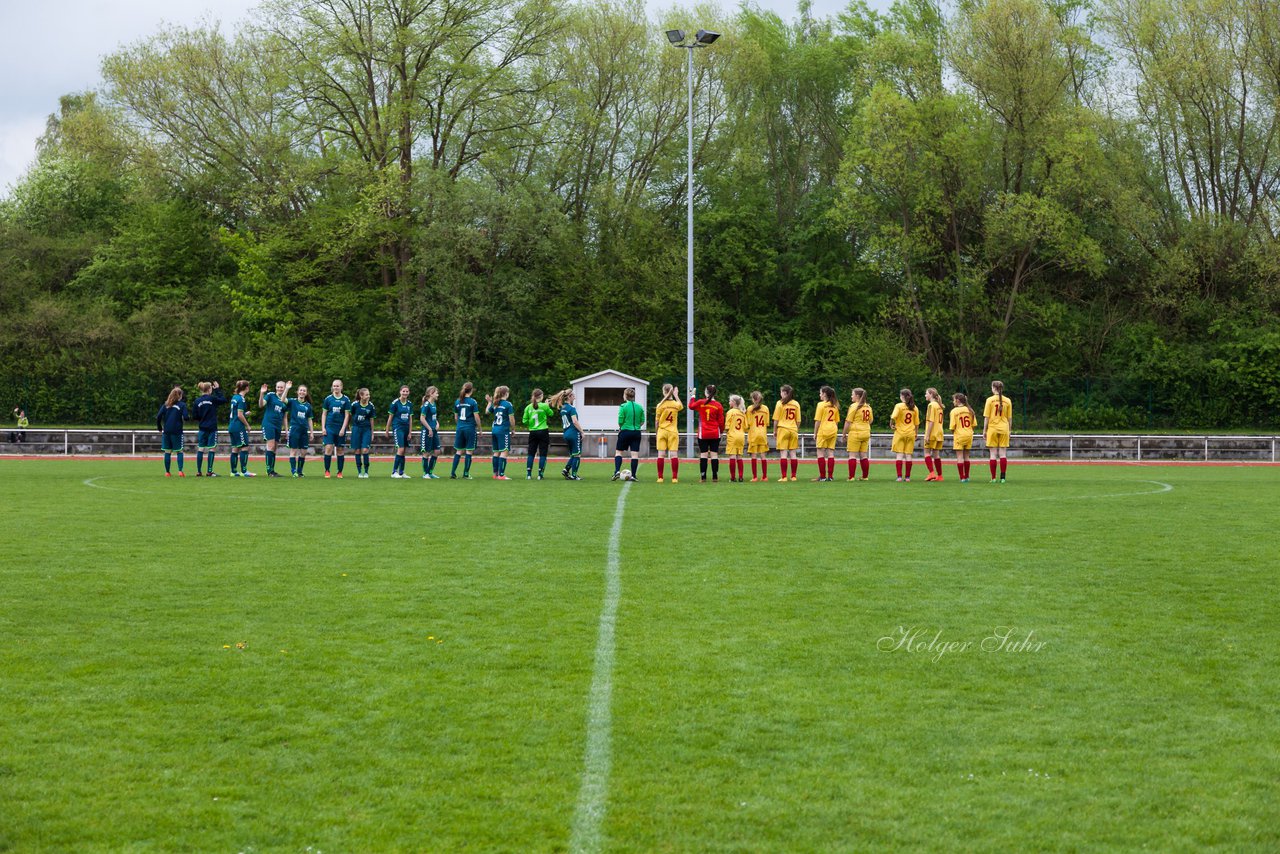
(928, 463)
(831, 467)
(795, 465)
(1004, 463)
(764, 469)
(853, 467)
(866, 467)
(909, 463)
(968, 466)
(742, 472)
(755, 468)
(675, 466)
(993, 468)
(897, 464)
(937, 466)
(661, 461)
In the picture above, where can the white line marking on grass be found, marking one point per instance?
(90, 482)
(1164, 487)
(588, 816)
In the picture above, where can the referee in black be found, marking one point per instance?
(630, 429)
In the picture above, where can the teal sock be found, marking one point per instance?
(426, 465)
(502, 467)
(456, 457)
(293, 465)
(466, 467)
(328, 458)
(179, 460)
(235, 462)
(199, 461)
(302, 461)
(167, 464)
(342, 458)
(210, 469)
(244, 461)
(270, 458)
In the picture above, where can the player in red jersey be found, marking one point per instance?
(710, 426)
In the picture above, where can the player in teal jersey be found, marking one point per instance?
(500, 407)
(272, 405)
(429, 434)
(334, 421)
(362, 412)
(399, 423)
(563, 401)
(464, 438)
(301, 425)
(536, 415)
(239, 431)
(173, 412)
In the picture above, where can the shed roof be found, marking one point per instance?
(615, 373)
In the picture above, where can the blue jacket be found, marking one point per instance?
(169, 419)
(207, 409)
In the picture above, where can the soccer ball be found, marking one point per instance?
(626, 474)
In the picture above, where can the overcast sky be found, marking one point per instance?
(49, 48)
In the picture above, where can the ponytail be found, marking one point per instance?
(756, 402)
(467, 389)
(174, 396)
(535, 397)
(910, 398)
(998, 388)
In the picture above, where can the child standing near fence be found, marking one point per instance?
(536, 416)
(962, 420)
(933, 436)
(238, 431)
(362, 412)
(735, 437)
(857, 429)
(758, 437)
(211, 397)
(997, 417)
(500, 407)
(906, 421)
(169, 421)
(786, 430)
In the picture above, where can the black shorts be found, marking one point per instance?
(539, 441)
(711, 445)
(628, 440)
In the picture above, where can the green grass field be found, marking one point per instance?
(379, 665)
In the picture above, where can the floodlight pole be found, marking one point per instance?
(689, 263)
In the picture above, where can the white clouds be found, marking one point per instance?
(18, 135)
(49, 49)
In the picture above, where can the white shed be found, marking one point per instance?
(600, 394)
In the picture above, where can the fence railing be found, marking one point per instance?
(1039, 446)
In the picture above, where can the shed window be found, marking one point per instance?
(599, 396)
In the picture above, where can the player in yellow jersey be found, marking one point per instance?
(905, 420)
(758, 436)
(786, 430)
(735, 437)
(668, 427)
(962, 421)
(826, 430)
(933, 435)
(997, 418)
(857, 429)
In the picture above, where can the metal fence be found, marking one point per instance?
(1032, 446)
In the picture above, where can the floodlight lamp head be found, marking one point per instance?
(706, 37)
(675, 36)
